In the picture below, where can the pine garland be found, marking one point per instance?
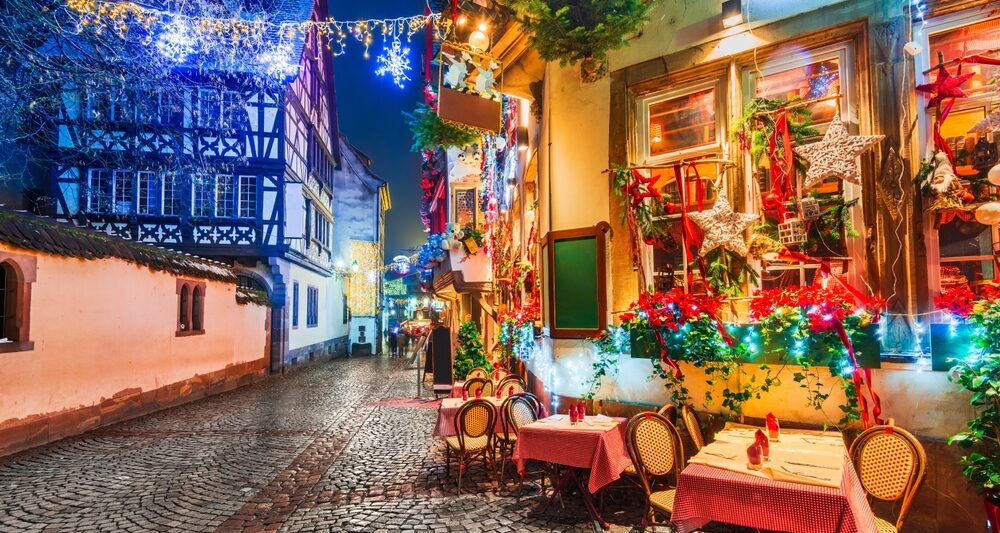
(430, 132)
(571, 30)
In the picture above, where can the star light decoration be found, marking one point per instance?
(944, 86)
(395, 62)
(836, 156)
(723, 227)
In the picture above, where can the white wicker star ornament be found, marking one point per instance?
(723, 227)
(836, 156)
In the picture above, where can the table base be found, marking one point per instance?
(571, 475)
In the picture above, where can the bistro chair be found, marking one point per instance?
(534, 401)
(474, 384)
(474, 422)
(478, 373)
(516, 411)
(511, 381)
(654, 445)
(668, 411)
(693, 427)
(499, 374)
(891, 464)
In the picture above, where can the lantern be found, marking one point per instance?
(988, 213)
(810, 208)
(792, 231)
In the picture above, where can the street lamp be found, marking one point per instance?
(354, 267)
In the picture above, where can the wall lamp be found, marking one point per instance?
(732, 13)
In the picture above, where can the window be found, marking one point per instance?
(169, 194)
(190, 308)
(295, 304)
(209, 108)
(225, 196)
(248, 197)
(678, 122)
(202, 196)
(148, 199)
(8, 302)
(124, 189)
(962, 247)
(320, 228)
(17, 272)
(312, 307)
(465, 207)
(98, 105)
(122, 109)
(99, 190)
(233, 111)
(171, 108)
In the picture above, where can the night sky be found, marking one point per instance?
(370, 109)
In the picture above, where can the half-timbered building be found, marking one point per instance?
(238, 171)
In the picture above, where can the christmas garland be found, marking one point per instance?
(572, 30)
(430, 131)
(517, 330)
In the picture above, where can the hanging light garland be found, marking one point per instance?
(177, 35)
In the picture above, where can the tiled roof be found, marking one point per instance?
(31, 232)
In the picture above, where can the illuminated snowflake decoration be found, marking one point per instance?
(176, 42)
(394, 62)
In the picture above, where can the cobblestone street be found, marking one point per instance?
(308, 451)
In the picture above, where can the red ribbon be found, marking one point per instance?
(665, 357)
(781, 168)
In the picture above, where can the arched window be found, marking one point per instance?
(197, 309)
(8, 302)
(185, 304)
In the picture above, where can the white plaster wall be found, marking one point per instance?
(330, 299)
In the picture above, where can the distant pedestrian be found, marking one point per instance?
(392, 342)
(401, 340)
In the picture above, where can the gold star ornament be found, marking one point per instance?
(723, 227)
(836, 156)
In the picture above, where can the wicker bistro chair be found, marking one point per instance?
(515, 412)
(474, 422)
(891, 464)
(511, 381)
(474, 384)
(654, 445)
(668, 411)
(478, 373)
(693, 427)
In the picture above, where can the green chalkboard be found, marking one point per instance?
(575, 273)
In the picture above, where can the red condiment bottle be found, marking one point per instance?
(773, 428)
(479, 394)
(572, 414)
(465, 395)
(581, 412)
(510, 391)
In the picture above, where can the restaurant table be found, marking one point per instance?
(445, 426)
(597, 444)
(809, 485)
(456, 389)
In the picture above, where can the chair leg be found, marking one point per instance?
(447, 459)
(461, 471)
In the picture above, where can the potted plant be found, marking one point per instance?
(980, 375)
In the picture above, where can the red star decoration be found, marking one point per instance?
(945, 86)
(635, 188)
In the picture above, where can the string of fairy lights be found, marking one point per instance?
(191, 29)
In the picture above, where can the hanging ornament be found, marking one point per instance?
(723, 227)
(809, 208)
(984, 154)
(792, 231)
(944, 185)
(989, 124)
(944, 86)
(394, 61)
(835, 156)
(988, 213)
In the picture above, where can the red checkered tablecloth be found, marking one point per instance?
(445, 426)
(706, 494)
(456, 389)
(602, 451)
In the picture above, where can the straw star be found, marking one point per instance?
(836, 155)
(945, 86)
(723, 227)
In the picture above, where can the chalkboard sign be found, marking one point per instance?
(575, 268)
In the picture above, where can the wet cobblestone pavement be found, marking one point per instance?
(308, 451)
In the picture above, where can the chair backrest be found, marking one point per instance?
(693, 426)
(539, 412)
(474, 384)
(669, 411)
(476, 418)
(478, 373)
(511, 381)
(891, 464)
(654, 445)
(499, 374)
(518, 411)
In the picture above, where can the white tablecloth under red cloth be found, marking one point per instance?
(706, 494)
(600, 450)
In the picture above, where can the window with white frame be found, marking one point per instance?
(100, 189)
(823, 79)
(233, 112)
(148, 193)
(248, 197)
(171, 108)
(680, 124)
(202, 196)
(225, 196)
(465, 206)
(959, 249)
(209, 108)
(168, 192)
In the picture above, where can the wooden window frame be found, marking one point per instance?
(671, 92)
(312, 306)
(25, 270)
(598, 232)
(295, 305)
(185, 328)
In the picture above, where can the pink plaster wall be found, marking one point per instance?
(100, 327)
